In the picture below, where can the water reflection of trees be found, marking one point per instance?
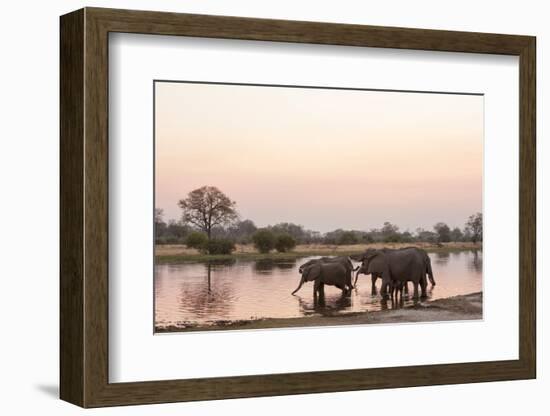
(268, 266)
(208, 297)
(220, 262)
(442, 258)
(475, 262)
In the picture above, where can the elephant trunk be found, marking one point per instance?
(299, 285)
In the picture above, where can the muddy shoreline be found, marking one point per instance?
(456, 308)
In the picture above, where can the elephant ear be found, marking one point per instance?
(369, 254)
(356, 257)
(312, 272)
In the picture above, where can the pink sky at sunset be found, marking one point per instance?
(322, 158)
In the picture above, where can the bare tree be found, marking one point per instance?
(474, 227)
(207, 207)
(159, 213)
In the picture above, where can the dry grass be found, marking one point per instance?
(179, 250)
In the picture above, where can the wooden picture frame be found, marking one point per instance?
(84, 207)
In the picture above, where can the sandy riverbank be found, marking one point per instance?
(456, 308)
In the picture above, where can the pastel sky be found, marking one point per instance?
(323, 158)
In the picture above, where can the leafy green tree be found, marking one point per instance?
(284, 242)
(295, 231)
(426, 236)
(406, 237)
(390, 233)
(443, 232)
(456, 234)
(393, 238)
(264, 240)
(347, 238)
(242, 231)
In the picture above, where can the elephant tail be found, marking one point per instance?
(357, 268)
(429, 270)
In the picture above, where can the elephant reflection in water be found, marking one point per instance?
(394, 303)
(327, 305)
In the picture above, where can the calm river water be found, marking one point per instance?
(202, 293)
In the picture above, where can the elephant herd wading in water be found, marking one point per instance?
(395, 267)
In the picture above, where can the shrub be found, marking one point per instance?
(368, 238)
(168, 239)
(347, 238)
(196, 240)
(392, 238)
(264, 240)
(220, 246)
(284, 242)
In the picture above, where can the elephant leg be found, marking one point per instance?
(423, 285)
(415, 294)
(384, 288)
(321, 293)
(316, 286)
(348, 289)
(373, 288)
(406, 288)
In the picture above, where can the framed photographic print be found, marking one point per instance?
(247, 204)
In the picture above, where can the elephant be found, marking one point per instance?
(401, 266)
(396, 292)
(375, 276)
(325, 273)
(363, 269)
(343, 260)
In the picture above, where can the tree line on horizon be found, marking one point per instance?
(211, 224)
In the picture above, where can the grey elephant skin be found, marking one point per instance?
(325, 273)
(343, 260)
(397, 267)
